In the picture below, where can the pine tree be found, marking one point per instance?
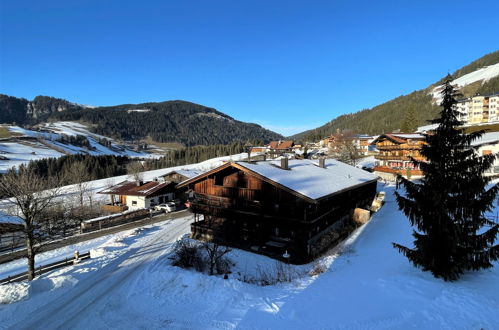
(447, 207)
(410, 122)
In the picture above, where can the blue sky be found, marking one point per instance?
(287, 65)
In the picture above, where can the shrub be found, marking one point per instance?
(187, 254)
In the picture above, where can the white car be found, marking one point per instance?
(167, 207)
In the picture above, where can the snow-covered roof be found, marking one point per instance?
(185, 172)
(426, 128)
(487, 138)
(130, 188)
(408, 135)
(308, 179)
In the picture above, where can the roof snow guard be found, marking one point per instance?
(304, 177)
(130, 188)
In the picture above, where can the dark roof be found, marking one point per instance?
(130, 188)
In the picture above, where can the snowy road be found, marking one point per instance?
(99, 291)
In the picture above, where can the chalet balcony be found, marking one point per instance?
(398, 158)
(226, 207)
(399, 147)
(402, 171)
(391, 157)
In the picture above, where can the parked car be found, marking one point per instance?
(167, 207)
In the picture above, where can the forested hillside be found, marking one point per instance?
(405, 112)
(171, 121)
(12, 109)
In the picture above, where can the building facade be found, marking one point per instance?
(479, 109)
(298, 206)
(395, 153)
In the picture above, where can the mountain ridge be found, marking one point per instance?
(175, 121)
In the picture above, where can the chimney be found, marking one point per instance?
(322, 162)
(284, 163)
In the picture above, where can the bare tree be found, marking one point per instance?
(346, 148)
(31, 196)
(216, 255)
(78, 174)
(134, 169)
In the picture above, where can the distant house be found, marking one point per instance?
(395, 152)
(280, 147)
(178, 176)
(298, 206)
(489, 144)
(131, 195)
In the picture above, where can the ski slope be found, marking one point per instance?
(367, 284)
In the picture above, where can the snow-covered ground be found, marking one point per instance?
(483, 74)
(367, 284)
(21, 152)
(95, 186)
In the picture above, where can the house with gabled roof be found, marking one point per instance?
(395, 153)
(288, 207)
(133, 195)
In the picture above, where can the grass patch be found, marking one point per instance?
(165, 145)
(5, 133)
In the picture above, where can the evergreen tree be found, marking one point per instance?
(410, 122)
(447, 207)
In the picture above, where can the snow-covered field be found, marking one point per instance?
(21, 152)
(367, 284)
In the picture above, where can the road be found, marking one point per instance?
(6, 257)
(105, 286)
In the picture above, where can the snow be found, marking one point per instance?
(69, 192)
(367, 284)
(487, 138)
(308, 179)
(366, 162)
(21, 152)
(426, 128)
(483, 74)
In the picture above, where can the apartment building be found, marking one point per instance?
(479, 109)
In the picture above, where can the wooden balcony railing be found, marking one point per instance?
(399, 147)
(402, 171)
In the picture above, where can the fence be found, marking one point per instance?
(44, 269)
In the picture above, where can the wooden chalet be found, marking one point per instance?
(395, 152)
(133, 195)
(278, 148)
(178, 176)
(270, 207)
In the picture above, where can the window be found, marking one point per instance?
(219, 180)
(134, 203)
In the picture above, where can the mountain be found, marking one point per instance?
(21, 111)
(168, 122)
(414, 109)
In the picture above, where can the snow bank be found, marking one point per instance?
(13, 292)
